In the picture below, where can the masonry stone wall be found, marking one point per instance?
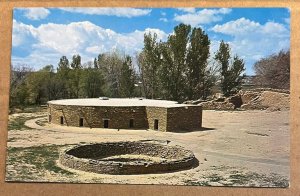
(184, 118)
(90, 158)
(118, 117)
(169, 119)
(157, 113)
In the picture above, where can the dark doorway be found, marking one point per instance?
(155, 124)
(50, 118)
(105, 124)
(61, 120)
(131, 123)
(81, 122)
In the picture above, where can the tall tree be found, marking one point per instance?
(175, 69)
(178, 43)
(18, 89)
(165, 78)
(91, 82)
(274, 71)
(76, 62)
(95, 63)
(74, 76)
(127, 78)
(38, 85)
(110, 64)
(51, 83)
(63, 63)
(197, 60)
(63, 76)
(149, 62)
(231, 77)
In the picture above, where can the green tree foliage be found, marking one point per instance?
(198, 75)
(110, 64)
(74, 75)
(42, 86)
(149, 63)
(76, 62)
(165, 78)
(231, 71)
(91, 83)
(37, 87)
(63, 70)
(119, 74)
(63, 63)
(127, 78)
(95, 63)
(274, 71)
(178, 44)
(176, 69)
(18, 88)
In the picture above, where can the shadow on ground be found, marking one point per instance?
(202, 129)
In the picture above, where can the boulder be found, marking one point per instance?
(236, 100)
(247, 96)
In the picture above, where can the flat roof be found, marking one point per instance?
(121, 102)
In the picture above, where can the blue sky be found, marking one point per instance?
(42, 35)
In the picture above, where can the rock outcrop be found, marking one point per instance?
(255, 99)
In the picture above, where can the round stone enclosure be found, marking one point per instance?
(125, 158)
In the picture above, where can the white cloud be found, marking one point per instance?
(245, 27)
(237, 27)
(204, 16)
(120, 12)
(50, 41)
(163, 19)
(252, 40)
(287, 21)
(22, 33)
(35, 13)
(188, 9)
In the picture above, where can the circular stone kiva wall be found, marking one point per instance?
(125, 158)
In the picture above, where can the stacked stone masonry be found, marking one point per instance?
(91, 158)
(181, 117)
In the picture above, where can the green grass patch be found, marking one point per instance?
(32, 162)
(28, 109)
(238, 178)
(197, 183)
(18, 123)
(13, 139)
(215, 178)
(272, 180)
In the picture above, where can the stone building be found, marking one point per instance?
(130, 113)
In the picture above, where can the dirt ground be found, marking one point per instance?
(234, 148)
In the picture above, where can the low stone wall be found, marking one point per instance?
(91, 158)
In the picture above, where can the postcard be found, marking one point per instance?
(167, 96)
